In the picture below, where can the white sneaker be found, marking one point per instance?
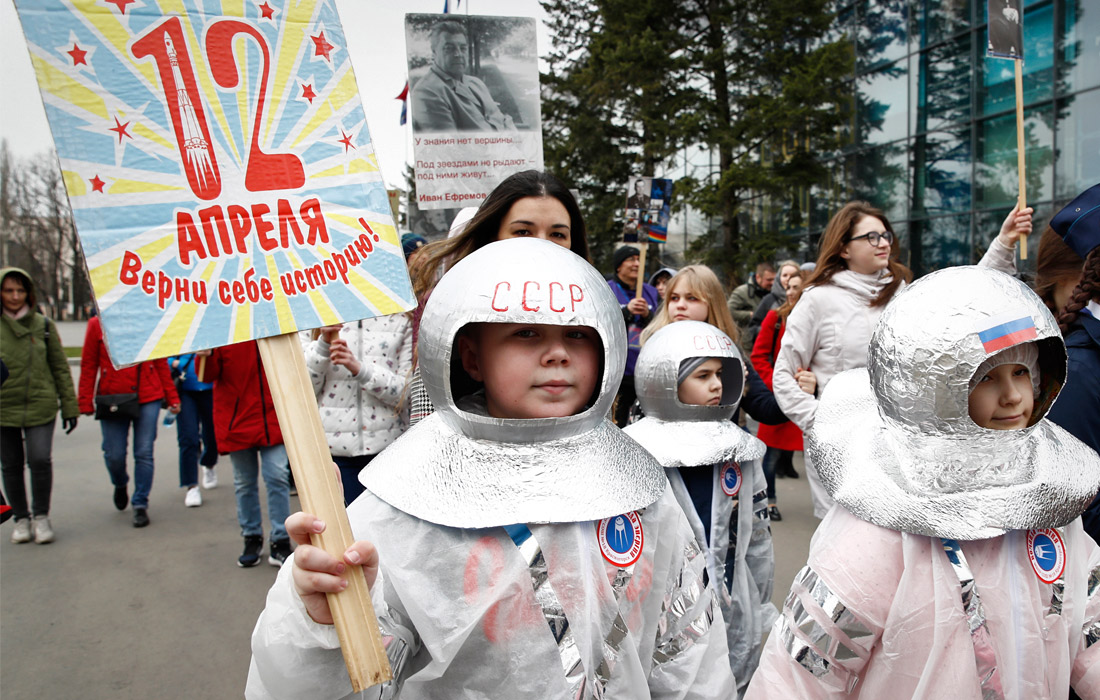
(209, 477)
(22, 531)
(193, 499)
(43, 533)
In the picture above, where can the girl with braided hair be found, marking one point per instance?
(1068, 280)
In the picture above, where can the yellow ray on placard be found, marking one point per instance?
(243, 329)
(57, 83)
(356, 166)
(233, 8)
(385, 231)
(145, 132)
(172, 340)
(111, 29)
(320, 304)
(74, 184)
(104, 278)
(319, 118)
(294, 19)
(202, 74)
(121, 186)
(345, 90)
(282, 306)
(374, 295)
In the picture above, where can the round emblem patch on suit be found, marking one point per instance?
(621, 539)
(731, 478)
(1047, 553)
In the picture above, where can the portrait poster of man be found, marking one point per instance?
(1006, 30)
(474, 100)
(638, 193)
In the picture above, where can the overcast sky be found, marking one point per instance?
(375, 31)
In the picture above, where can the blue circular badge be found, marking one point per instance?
(1047, 553)
(621, 538)
(731, 478)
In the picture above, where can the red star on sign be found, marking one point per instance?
(97, 184)
(308, 93)
(346, 141)
(120, 4)
(120, 129)
(77, 55)
(321, 47)
(267, 11)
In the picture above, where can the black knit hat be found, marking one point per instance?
(626, 251)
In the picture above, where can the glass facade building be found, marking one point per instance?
(932, 135)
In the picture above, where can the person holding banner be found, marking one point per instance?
(515, 506)
(637, 311)
(37, 384)
(446, 99)
(125, 402)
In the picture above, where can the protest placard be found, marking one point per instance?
(648, 208)
(224, 188)
(474, 103)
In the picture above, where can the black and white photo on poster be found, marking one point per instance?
(474, 103)
(1006, 29)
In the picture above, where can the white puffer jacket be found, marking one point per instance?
(360, 413)
(830, 328)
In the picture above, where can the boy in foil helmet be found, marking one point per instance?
(689, 378)
(526, 547)
(954, 564)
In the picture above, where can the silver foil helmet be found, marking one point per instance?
(522, 281)
(894, 442)
(684, 435)
(463, 468)
(658, 366)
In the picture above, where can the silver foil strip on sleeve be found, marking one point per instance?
(984, 656)
(1094, 581)
(805, 655)
(676, 609)
(554, 613)
(1092, 633)
(836, 611)
(818, 636)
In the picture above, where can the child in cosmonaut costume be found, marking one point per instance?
(954, 564)
(689, 377)
(526, 547)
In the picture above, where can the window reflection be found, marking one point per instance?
(880, 34)
(1080, 47)
(883, 104)
(940, 242)
(941, 85)
(995, 169)
(933, 21)
(881, 176)
(1078, 130)
(941, 172)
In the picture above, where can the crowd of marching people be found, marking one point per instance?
(563, 483)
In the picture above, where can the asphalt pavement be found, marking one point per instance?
(112, 612)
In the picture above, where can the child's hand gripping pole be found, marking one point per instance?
(320, 494)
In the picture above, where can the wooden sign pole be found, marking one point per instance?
(1021, 151)
(319, 490)
(644, 246)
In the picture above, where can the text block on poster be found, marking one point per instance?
(218, 162)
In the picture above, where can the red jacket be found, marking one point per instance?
(785, 436)
(155, 379)
(244, 413)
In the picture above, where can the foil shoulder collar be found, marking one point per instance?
(438, 474)
(695, 443)
(862, 466)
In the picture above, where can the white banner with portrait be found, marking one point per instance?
(474, 105)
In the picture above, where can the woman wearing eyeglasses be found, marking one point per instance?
(857, 274)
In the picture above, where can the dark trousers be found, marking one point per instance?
(31, 446)
(195, 430)
(776, 461)
(349, 475)
(626, 398)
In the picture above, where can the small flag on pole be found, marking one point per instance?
(404, 97)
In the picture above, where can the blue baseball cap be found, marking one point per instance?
(1079, 222)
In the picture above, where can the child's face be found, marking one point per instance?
(703, 387)
(685, 305)
(1003, 399)
(532, 370)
